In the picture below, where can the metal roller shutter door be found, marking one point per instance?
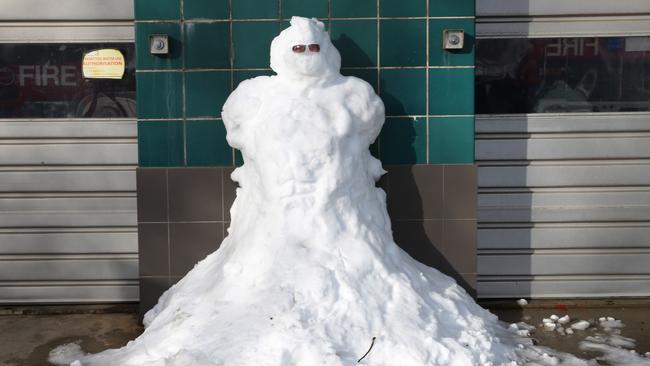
(68, 229)
(564, 205)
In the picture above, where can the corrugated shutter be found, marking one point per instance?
(564, 205)
(67, 186)
(68, 211)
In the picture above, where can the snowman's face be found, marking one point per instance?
(305, 57)
(304, 50)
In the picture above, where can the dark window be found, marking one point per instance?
(554, 75)
(45, 81)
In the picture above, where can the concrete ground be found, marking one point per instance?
(27, 334)
(634, 313)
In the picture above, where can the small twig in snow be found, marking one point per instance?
(366, 354)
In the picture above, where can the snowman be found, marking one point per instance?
(309, 274)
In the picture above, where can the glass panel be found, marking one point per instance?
(555, 75)
(45, 81)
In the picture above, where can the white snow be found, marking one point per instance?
(549, 326)
(64, 354)
(522, 302)
(580, 325)
(564, 320)
(521, 329)
(309, 273)
(609, 323)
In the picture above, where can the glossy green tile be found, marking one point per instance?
(239, 159)
(356, 40)
(440, 57)
(451, 140)
(445, 8)
(374, 148)
(403, 42)
(241, 75)
(206, 144)
(252, 43)
(205, 9)
(403, 141)
(207, 45)
(144, 59)
(255, 9)
(159, 94)
(451, 91)
(403, 8)
(305, 8)
(404, 91)
(160, 143)
(157, 9)
(205, 93)
(353, 9)
(369, 75)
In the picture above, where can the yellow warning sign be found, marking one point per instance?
(103, 64)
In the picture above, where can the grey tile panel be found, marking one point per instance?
(153, 247)
(195, 194)
(152, 194)
(191, 242)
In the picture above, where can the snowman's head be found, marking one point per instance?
(304, 50)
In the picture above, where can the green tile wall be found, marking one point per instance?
(396, 46)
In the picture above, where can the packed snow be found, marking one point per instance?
(522, 302)
(309, 273)
(580, 325)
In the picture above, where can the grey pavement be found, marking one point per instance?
(27, 334)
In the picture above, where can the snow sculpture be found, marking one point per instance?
(309, 274)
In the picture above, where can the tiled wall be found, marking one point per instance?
(394, 45)
(427, 140)
(183, 214)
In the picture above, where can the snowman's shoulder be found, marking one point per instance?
(247, 96)
(254, 86)
(354, 84)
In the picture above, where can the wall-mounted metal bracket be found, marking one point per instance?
(159, 44)
(453, 39)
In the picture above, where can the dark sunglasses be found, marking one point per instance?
(300, 48)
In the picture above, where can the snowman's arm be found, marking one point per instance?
(368, 108)
(238, 114)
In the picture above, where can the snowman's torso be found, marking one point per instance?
(303, 137)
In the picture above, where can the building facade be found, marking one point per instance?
(517, 163)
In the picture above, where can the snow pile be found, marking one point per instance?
(522, 302)
(615, 350)
(521, 329)
(609, 323)
(558, 324)
(309, 273)
(580, 325)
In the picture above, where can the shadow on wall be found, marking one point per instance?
(417, 232)
(351, 53)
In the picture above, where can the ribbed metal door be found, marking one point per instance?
(564, 199)
(67, 186)
(564, 205)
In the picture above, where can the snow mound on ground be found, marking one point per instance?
(309, 273)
